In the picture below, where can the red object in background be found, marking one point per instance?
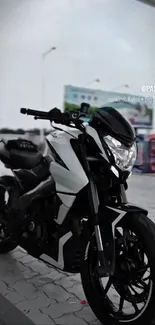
(83, 302)
(150, 137)
(140, 160)
(132, 120)
(151, 153)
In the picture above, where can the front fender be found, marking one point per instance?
(109, 218)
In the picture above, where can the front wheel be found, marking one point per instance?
(129, 295)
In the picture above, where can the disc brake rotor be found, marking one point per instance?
(130, 269)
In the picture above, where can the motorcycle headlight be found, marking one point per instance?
(124, 157)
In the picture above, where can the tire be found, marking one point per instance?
(7, 184)
(7, 246)
(144, 228)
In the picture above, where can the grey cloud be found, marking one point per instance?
(108, 39)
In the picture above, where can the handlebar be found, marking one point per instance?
(33, 112)
(55, 115)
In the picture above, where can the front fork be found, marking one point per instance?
(105, 239)
(106, 242)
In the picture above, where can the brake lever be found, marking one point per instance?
(41, 118)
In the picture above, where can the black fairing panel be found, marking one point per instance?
(111, 122)
(30, 178)
(45, 189)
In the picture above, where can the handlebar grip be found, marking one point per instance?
(33, 112)
(23, 111)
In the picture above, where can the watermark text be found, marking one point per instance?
(148, 88)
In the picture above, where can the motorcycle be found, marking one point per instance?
(68, 207)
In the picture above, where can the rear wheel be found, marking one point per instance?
(7, 189)
(7, 244)
(129, 295)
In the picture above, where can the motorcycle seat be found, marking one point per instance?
(24, 159)
(20, 154)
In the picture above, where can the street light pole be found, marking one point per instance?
(97, 80)
(121, 86)
(43, 57)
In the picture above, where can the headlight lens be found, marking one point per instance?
(124, 158)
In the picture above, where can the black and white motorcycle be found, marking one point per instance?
(68, 207)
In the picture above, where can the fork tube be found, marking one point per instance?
(123, 195)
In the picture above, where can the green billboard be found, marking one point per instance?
(137, 109)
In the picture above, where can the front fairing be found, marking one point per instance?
(111, 122)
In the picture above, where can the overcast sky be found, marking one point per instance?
(108, 39)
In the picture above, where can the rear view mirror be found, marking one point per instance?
(84, 108)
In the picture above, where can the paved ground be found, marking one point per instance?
(47, 296)
(11, 315)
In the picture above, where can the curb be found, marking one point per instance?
(10, 315)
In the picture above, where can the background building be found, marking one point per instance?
(137, 109)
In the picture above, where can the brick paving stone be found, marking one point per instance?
(55, 292)
(28, 290)
(36, 281)
(54, 275)
(73, 300)
(70, 320)
(97, 322)
(40, 267)
(42, 301)
(4, 289)
(18, 254)
(26, 259)
(40, 280)
(14, 297)
(19, 267)
(67, 282)
(78, 291)
(29, 274)
(87, 314)
(10, 278)
(39, 318)
(77, 277)
(13, 277)
(4, 268)
(62, 308)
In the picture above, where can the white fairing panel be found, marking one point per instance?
(73, 179)
(67, 202)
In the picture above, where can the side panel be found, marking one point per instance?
(73, 178)
(69, 254)
(67, 202)
(44, 189)
(60, 262)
